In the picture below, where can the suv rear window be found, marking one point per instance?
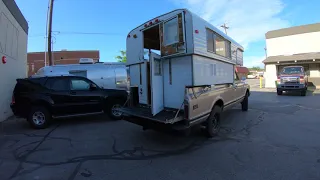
(58, 84)
(29, 85)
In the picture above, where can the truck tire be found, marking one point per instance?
(39, 117)
(245, 103)
(213, 122)
(112, 113)
(303, 93)
(279, 92)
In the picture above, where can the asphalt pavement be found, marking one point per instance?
(278, 138)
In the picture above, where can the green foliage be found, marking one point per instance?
(122, 57)
(255, 68)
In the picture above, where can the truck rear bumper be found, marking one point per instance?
(163, 121)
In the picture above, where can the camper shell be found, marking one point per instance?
(180, 66)
(107, 75)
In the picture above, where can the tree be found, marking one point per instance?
(255, 68)
(122, 57)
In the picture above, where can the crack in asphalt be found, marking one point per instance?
(135, 153)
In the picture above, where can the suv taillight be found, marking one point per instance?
(13, 101)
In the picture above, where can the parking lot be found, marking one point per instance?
(278, 138)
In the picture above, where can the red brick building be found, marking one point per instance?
(36, 60)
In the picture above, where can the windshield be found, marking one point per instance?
(292, 70)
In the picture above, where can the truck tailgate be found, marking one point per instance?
(165, 116)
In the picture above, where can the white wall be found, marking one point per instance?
(270, 76)
(294, 44)
(314, 70)
(13, 45)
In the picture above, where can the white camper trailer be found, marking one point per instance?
(187, 55)
(107, 75)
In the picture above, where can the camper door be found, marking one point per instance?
(157, 104)
(172, 36)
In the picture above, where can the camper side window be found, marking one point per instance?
(171, 33)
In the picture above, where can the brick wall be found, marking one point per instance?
(36, 59)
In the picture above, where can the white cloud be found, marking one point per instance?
(251, 61)
(248, 20)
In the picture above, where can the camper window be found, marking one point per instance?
(171, 33)
(217, 44)
(157, 67)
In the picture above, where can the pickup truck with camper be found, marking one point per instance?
(189, 77)
(42, 99)
(292, 78)
(107, 75)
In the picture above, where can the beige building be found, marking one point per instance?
(298, 45)
(13, 52)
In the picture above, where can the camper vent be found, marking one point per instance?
(86, 61)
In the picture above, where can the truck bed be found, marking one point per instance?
(165, 116)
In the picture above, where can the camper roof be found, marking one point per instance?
(212, 27)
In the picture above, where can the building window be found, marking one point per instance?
(217, 44)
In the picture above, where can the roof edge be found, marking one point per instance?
(308, 28)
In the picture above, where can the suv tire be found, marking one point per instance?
(245, 103)
(303, 93)
(39, 117)
(112, 113)
(213, 122)
(279, 92)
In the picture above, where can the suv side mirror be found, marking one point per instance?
(93, 86)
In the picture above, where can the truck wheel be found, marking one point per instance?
(244, 103)
(112, 112)
(213, 122)
(279, 92)
(303, 93)
(39, 117)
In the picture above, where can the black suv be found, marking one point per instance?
(44, 98)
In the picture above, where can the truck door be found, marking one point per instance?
(156, 84)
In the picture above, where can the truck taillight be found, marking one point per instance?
(186, 110)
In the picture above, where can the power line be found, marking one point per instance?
(77, 33)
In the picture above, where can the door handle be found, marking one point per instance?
(72, 92)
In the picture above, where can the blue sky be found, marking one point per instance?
(248, 20)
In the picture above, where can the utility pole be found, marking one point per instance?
(225, 27)
(49, 33)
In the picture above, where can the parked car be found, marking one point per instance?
(292, 78)
(42, 99)
(251, 76)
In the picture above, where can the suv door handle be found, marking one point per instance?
(72, 92)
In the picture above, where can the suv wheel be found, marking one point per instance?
(39, 117)
(112, 112)
(279, 92)
(245, 102)
(213, 122)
